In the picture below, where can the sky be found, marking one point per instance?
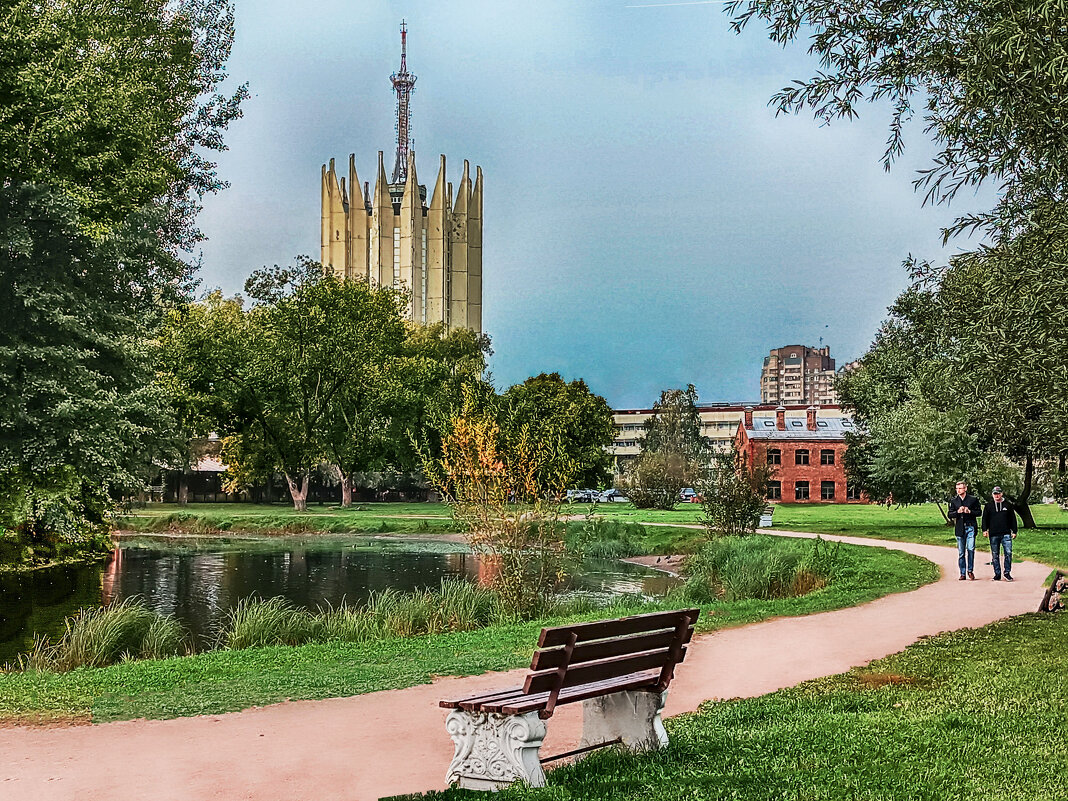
(649, 221)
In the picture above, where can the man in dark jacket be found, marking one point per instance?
(999, 524)
(963, 510)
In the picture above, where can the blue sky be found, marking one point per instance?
(649, 222)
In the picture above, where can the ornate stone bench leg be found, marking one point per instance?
(632, 716)
(492, 751)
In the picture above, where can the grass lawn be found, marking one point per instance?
(225, 681)
(971, 715)
(923, 523)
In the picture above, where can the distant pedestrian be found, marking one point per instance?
(999, 524)
(963, 509)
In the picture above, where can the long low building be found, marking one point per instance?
(719, 422)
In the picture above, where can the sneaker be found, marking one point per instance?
(1009, 578)
(971, 576)
(963, 577)
(998, 578)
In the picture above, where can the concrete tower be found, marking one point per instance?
(391, 237)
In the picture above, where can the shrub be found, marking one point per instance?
(734, 494)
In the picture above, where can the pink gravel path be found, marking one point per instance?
(394, 742)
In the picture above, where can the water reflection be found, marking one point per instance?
(199, 582)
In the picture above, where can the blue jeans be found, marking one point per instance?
(966, 544)
(997, 542)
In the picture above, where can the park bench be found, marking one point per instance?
(620, 670)
(765, 517)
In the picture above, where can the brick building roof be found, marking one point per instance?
(827, 429)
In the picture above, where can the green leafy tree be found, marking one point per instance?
(79, 413)
(674, 454)
(115, 104)
(568, 412)
(297, 369)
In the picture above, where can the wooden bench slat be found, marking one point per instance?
(601, 670)
(602, 629)
(466, 703)
(587, 652)
(534, 703)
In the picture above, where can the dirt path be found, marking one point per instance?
(394, 742)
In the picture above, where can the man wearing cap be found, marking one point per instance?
(999, 524)
(963, 509)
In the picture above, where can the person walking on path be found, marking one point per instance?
(999, 524)
(963, 510)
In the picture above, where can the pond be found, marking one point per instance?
(199, 579)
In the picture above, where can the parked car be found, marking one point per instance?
(689, 495)
(582, 496)
(613, 496)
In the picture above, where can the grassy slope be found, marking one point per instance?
(223, 681)
(968, 715)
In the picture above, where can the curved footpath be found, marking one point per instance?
(393, 742)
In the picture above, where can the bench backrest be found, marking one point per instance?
(585, 653)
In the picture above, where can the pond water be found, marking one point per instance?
(199, 580)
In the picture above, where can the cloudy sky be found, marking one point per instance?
(649, 222)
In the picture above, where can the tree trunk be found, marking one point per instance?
(1022, 508)
(346, 491)
(299, 491)
(183, 488)
(945, 517)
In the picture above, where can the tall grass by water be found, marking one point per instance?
(759, 566)
(606, 538)
(105, 635)
(455, 606)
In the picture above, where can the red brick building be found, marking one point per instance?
(807, 455)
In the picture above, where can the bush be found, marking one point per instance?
(734, 494)
(109, 634)
(761, 567)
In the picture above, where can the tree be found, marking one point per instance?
(79, 414)
(734, 493)
(298, 368)
(673, 452)
(504, 487)
(114, 104)
(568, 412)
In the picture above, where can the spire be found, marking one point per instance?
(403, 83)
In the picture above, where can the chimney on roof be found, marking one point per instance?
(749, 417)
(780, 418)
(811, 411)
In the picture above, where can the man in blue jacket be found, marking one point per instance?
(963, 510)
(999, 524)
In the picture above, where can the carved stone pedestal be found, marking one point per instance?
(632, 716)
(492, 751)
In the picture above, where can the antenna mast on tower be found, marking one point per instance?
(403, 83)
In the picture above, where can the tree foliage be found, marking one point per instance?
(988, 77)
(569, 413)
(734, 493)
(504, 486)
(673, 452)
(79, 414)
(115, 103)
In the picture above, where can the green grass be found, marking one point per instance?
(923, 523)
(224, 681)
(975, 715)
(1047, 544)
(209, 518)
